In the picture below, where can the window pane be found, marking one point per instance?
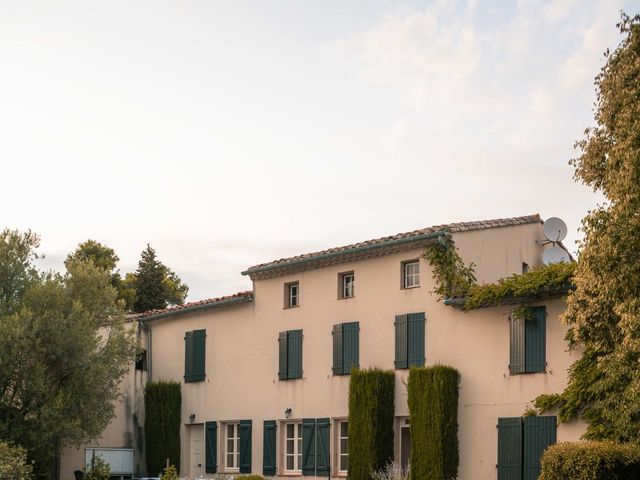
(290, 465)
(290, 445)
(344, 463)
(230, 444)
(343, 445)
(343, 428)
(290, 430)
(230, 463)
(230, 431)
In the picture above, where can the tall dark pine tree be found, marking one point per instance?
(156, 285)
(604, 311)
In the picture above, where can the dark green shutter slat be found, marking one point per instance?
(539, 433)
(188, 356)
(535, 336)
(308, 446)
(415, 333)
(323, 452)
(401, 341)
(211, 447)
(294, 354)
(350, 346)
(282, 348)
(337, 350)
(516, 344)
(199, 346)
(510, 448)
(269, 448)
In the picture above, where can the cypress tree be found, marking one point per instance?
(163, 403)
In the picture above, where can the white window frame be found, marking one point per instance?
(410, 280)
(236, 445)
(297, 448)
(340, 453)
(347, 289)
(293, 298)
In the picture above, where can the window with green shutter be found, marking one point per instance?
(527, 341)
(410, 338)
(269, 464)
(521, 442)
(245, 446)
(194, 355)
(211, 447)
(290, 355)
(309, 446)
(346, 347)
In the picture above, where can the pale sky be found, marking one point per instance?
(232, 133)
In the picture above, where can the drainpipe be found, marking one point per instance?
(146, 328)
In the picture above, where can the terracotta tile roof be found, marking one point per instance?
(383, 245)
(239, 297)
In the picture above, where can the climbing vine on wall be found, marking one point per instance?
(452, 276)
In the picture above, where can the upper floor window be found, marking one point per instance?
(346, 339)
(291, 294)
(290, 354)
(410, 336)
(527, 339)
(194, 355)
(411, 274)
(347, 284)
(141, 361)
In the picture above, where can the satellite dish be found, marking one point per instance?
(554, 229)
(555, 255)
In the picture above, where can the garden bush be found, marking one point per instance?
(433, 411)
(250, 477)
(13, 463)
(590, 461)
(163, 403)
(99, 470)
(371, 414)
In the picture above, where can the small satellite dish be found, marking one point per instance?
(555, 255)
(554, 229)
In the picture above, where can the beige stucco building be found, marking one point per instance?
(260, 370)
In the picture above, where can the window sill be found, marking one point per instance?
(289, 308)
(410, 288)
(346, 298)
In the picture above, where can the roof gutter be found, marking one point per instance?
(198, 308)
(354, 250)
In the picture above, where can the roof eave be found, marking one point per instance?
(545, 294)
(198, 308)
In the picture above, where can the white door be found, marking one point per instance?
(196, 450)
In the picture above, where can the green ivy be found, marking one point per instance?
(452, 276)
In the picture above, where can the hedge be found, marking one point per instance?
(590, 461)
(371, 414)
(433, 413)
(163, 403)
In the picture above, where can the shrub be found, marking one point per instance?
(99, 470)
(371, 413)
(393, 471)
(590, 461)
(170, 473)
(249, 477)
(13, 463)
(433, 410)
(162, 402)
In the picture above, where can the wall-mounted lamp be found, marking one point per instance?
(192, 418)
(287, 413)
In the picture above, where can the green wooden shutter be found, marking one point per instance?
(415, 340)
(401, 341)
(535, 339)
(245, 446)
(282, 348)
(188, 357)
(323, 452)
(269, 448)
(199, 346)
(211, 447)
(539, 433)
(308, 446)
(294, 354)
(350, 346)
(510, 448)
(516, 344)
(337, 350)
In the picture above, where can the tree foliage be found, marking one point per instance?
(453, 278)
(604, 310)
(13, 463)
(64, 347)
(156, 285)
